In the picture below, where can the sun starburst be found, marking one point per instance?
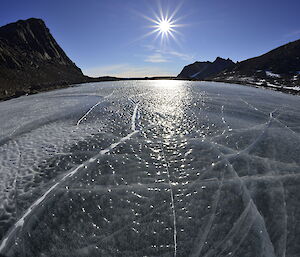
(164, 25)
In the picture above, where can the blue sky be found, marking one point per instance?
(107, 37)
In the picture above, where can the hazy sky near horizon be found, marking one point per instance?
(108, 37)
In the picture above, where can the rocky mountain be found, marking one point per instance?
(279, 68)
(203, 70)
(31, 60)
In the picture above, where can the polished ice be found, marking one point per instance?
(150, 168)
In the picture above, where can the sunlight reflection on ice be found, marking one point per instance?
(190, 180)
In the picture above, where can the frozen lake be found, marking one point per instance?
(150, 168)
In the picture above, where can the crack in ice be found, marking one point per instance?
(92, 108)
(172, 202)
(20, 223)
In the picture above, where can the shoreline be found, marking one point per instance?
(249, 84)
(111, 79)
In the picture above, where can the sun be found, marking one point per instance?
(164, 24)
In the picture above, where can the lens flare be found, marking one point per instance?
(164, 24)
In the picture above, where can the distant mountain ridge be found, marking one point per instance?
(202, 70)
(31, 59)
(278, 69)
(283, 60)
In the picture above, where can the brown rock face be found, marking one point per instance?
(31, 60)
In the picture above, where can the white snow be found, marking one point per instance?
(296, 88)
(271, 74)
(195, 75)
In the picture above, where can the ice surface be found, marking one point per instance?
(150, 168)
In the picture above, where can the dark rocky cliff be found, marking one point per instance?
(202, 70)
(31, 60)
(283, 60)
(279, 69)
